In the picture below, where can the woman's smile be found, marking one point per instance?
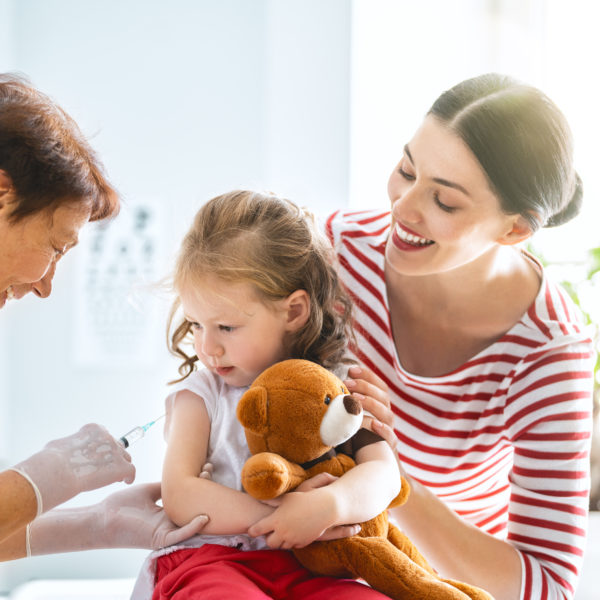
(406, 239)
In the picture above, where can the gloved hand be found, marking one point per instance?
(126, 519)
(134, 520)
(86, 460)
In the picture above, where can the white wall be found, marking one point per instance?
(184, 100)
(308, 97)
(6, 35)
(6, 64)
(406, 53)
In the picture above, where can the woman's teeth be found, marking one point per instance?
(9, 293)
(410, 238)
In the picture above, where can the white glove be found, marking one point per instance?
(86, 460)
(126, 519)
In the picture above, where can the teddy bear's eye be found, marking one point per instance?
(327, 400)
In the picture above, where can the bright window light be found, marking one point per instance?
(404, 54)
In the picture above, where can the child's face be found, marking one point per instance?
(237, 335)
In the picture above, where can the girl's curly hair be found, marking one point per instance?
(272, 244)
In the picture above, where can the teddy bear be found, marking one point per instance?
(296, 417)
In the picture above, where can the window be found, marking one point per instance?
(405, 53)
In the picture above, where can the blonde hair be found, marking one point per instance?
(273, 245)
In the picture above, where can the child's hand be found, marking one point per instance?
(373, 394)
(207, 471)
(303, 516)
(299, 520)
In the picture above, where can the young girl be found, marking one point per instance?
(256, 285)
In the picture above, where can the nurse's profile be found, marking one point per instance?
(51, 185)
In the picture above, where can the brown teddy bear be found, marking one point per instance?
(295, 414)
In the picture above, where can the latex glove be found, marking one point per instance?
(86, 460)
(128, 518)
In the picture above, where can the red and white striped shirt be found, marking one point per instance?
(504, 439)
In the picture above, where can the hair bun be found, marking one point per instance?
(572, 208)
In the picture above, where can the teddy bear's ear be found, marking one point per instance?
(252, 409)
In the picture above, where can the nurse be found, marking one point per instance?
(51, 185)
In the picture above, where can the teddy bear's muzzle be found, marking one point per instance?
(341, 421)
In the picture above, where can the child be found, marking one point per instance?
(256, 284)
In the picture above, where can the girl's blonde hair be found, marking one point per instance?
(273, 245)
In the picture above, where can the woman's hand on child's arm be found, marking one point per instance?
(134, 520)
(372, 392)
(129, 518)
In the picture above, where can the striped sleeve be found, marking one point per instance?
(504, 439)
(548, 415)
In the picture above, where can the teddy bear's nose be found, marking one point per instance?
(352, 405)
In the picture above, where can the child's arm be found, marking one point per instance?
(359, 495)
(185, 494)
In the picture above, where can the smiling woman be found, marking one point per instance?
(445, 211)
(33, 245)
(478, 366)
(51, 184)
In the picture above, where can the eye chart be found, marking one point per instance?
(118, 321)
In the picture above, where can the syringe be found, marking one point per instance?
(137, 433)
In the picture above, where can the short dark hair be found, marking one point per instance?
(522, 141)
(46, 156)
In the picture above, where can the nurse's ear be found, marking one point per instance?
(519, 229)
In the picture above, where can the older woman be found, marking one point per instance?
(51, 185)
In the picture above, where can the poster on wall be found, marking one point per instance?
(118, 317)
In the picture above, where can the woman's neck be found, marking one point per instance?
(440, 321)
(467, 289)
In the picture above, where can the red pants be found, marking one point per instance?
(215, 572)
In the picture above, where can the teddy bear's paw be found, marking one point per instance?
(473, 592)
(266, 476)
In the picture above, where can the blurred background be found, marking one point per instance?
(186, 99)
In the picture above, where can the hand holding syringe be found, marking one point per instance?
(137, 433)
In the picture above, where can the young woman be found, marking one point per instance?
(477, 365)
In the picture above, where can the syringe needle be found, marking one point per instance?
(137, 433)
